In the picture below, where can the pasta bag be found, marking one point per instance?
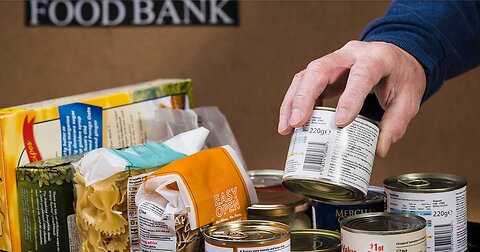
(102, 163)
(101, 186)
(209, 187)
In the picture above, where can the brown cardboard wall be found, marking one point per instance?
(245, 70)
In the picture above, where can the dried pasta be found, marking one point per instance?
(102, 220)
(101, 213)
(187, 239)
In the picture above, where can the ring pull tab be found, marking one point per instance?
(231, 235)
(417, 183)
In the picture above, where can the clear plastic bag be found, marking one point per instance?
(220, 131)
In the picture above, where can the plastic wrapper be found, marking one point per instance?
(206, 188)
(167, 123)
(221, 132)
(101, 186)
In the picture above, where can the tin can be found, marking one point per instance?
(439, 198)
(382, 232)
(329, 215)
(249, 235)
(281, 206)
(266, 179)
(328, 163)
(315, 240)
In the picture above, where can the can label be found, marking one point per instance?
(406, 242)
(445, 213)
(278, 247)
(328, 216)
(321, 150)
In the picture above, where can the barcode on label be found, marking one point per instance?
(443, 237)
(315, 156)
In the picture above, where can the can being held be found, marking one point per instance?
(315, 240)
(382, 232)
(328, 163)
(439, 198)
(249, 235)
(329, 215)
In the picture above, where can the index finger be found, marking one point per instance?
(318, 74)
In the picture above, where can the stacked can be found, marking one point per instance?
(276, 204)
(332, 166)
(329, 168)
(439, 198)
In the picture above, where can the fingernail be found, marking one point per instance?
(282, 124)
(296, 117)
(341, 116)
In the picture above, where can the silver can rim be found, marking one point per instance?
(296, 179)
(460, 182)
(266, 172)
(323, 232)
(260, 223)
(421, 221)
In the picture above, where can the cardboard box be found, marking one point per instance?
(114, 118)
(45, 195)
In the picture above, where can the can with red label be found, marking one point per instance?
(383, 232)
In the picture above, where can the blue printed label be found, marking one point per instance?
(81, 126)
(327, 216)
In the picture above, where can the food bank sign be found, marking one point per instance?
(130, 12)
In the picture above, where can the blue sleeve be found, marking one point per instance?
(444, 36)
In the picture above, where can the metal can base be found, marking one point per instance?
(323, 190)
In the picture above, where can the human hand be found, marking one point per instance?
(396, 77)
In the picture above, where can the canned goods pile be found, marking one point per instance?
(332, 166)
(329, 168)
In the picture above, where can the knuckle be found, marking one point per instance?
(301, 100)
(317, 66)
(382, 49)
(352, 44)
(362, 74)
(299, 75)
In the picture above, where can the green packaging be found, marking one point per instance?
(46, 198)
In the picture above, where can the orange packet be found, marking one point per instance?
(210, 187)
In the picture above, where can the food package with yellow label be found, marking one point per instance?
(206, 188)
(113, 118)
(101, 186)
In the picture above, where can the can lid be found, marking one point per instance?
(266, 178)
(247, 232)
(315, 240)
(324, 190)
(425, 182)
(278, 203)
(383, 223)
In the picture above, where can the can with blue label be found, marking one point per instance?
(329, 215)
